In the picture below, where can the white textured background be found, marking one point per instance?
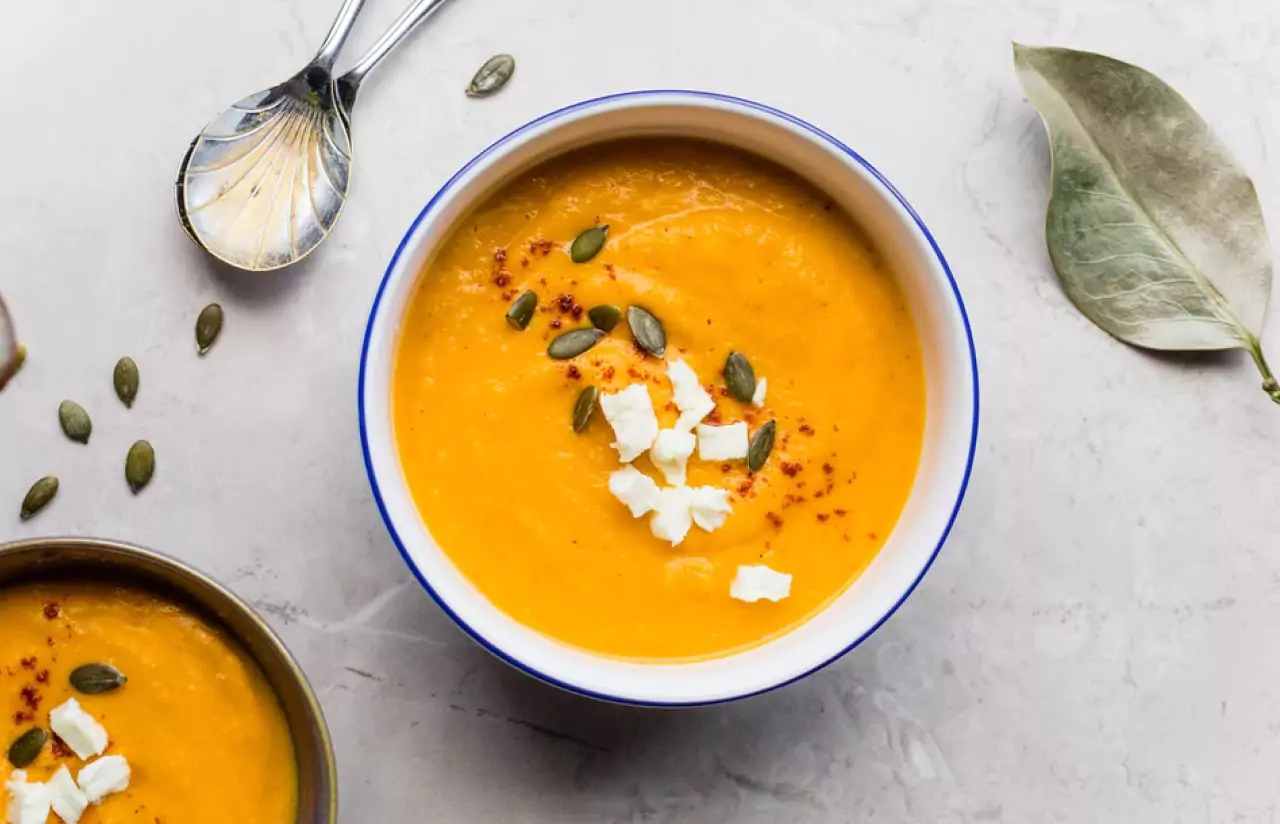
(1095, 643)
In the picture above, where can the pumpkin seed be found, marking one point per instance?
(583, 407)
(573, 343)
(521, 312)
(39, 496)
(740, 377)
(604, 317)
(647, 330)
(588, 244)
(95, 679)
(126, 379)
(761, 446)
(19, 358)
(139, 466)
(492, 76)
(208, 327)
(24, 751)
(75, 421)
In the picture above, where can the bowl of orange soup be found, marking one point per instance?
(668, 398)
(135, 689)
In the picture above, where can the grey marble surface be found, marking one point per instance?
(1096, 640)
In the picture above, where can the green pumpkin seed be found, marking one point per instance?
(647, 330)
(740, 377)
(39, 496)
(208, 327)
(75, 421)
(24, 751)
(492, 76)
(139, 466)
(573, 343)
(583, 407)
(521, 312)
(604, 317)
(761, 446)
(588, 244)
(95, 679)
(126, 380)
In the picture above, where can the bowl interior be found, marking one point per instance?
(951, 411)
(100, 560)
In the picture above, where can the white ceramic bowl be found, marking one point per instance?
(950, 366)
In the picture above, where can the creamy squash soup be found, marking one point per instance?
(121, 707)
(659, 399)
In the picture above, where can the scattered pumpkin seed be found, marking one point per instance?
(573, 343)
(521, 312)
(75, 421)
(126, 380)
(761, 446)
(647, 330)
(583, 407)
(139, 466)
(95, 679)
(39, 496)
(492, 76)
(208, 327)
(24, 751)
(604, 317)
(740, 377)
(14, 368)
(588, 244)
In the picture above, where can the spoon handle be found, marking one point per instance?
(337, 34)
(407, 22)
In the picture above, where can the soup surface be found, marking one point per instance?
(203, 733)
(731, 253)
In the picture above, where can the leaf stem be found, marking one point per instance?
(1269, 383)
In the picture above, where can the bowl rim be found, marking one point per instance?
(687, 96)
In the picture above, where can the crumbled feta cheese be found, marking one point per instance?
(673, 516)
(710, 507)
(109, 774)
(28, 803)
(755, 582)
(630, 413)
(635, 489)
(688, 395)
(69, 801)
(762, 386)
(670, 453)
(722, 443)
(84, 735)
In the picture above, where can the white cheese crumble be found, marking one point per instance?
(710, 507)
(69, 802)
(762, 386)
(753, 583)
(722, 443)
(109, 774)
(84, 735)
(670, 453)
(673, 517)
(630, 413)
(688, 395)
(28, 803)
(635, 489)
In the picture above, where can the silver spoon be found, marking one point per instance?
(262, 186)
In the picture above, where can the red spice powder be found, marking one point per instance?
(806, 429)
(841, 512)
(608, 268)
(524, 262)
(60, 748)
(42, 677)
(31, 698)
(607, 374)
(540, 248)
(828, 468)
(21, 717)
(52, 611)
(824, 517)
(774, 519)
(502, 279)
(555, 323)
(28, 663)
(791, 469)
(573, 372)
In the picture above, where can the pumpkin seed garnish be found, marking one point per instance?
(39, 496)
(647, 330)
(740, 377)
(139, 466)
(583, 407)
(208, 327)
(573, 343)
(15, 367)
(521, 312)
(75, 421)
(126, 379)
(761, 446)
(604, 317)
(588, 244)
(24, 751)
(95, 679)
(492, 76)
